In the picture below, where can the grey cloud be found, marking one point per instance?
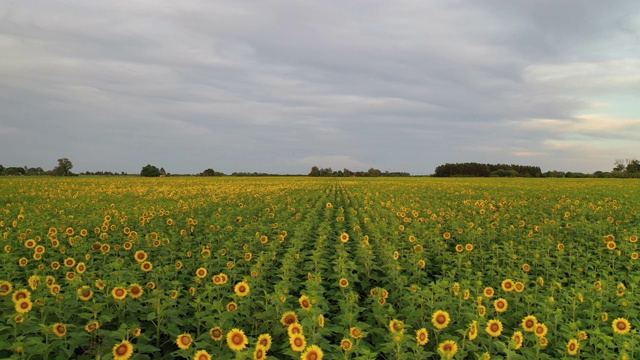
(272, 85)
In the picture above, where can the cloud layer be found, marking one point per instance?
(280, 86)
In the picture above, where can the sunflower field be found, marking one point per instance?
(319, 268)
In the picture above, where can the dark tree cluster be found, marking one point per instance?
(211, 172)
(152, 171)
(372, 172)
(473, 169)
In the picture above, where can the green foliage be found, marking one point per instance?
(150, 171)
(64, 168)
(294, 237)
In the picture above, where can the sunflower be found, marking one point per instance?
(507, 285)
(298, 342)
(422, 263)
(23, 306)
(611, 245)
(21, 294)
(519, 286)
(344, 283)
(260, 353)
(396, 326)
(5, 288)
(295, 329)
(313, 352)
(321, 320)
(264, 341)
(573, 346)
(135, 291)
(81, 268)
(289, 318)
(440, 319)
(54, 289)
(621, 326)
(232, 306)
(482, 310)
(582, 335)
(500, 305)
(517, 340)
(540, 330)
(448, 349)
(422, 336)
(140, 256)
(122, 350)
(529, 323)
(201, 272)
(237, 340)
(59, 329)
(468, 247)
(146, 266)
(446, 236)
(473, 330)
(69, 262)
(92, 326)
(489, 292)
(24, 261)
(346, 344)
(202, 355)
(100, 284)
(85, 293)
(355, 332)
(305, 303)
(543, 342)
(242, 289)
(179, 265)
(494, 328)
(119, 293)
(216, 333)
(459, 248)
(184, 341)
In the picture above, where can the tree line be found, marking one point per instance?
(372, 172)
(627, 168)
(486, 170)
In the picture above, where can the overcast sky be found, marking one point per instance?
(281, 86)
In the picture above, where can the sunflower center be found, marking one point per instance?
(441, 319)
(621, 325)
(237, 339)
(122, 349)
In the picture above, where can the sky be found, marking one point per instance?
(279, 86)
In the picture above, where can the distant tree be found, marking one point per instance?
(150, 171)
(1, 169)
(63, 168)
(633, 166)
(162, 171)
(208, 172)
(619, 165)
(314, 171)
(14, 171)
(35, 171)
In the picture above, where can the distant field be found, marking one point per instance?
(385, 268)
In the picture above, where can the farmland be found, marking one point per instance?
(291, 268)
